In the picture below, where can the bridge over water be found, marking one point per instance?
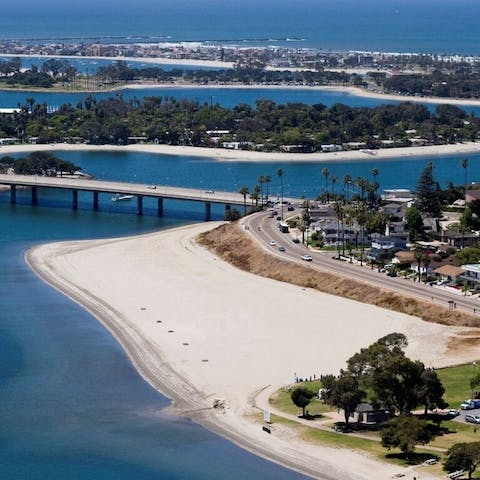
(140, 191)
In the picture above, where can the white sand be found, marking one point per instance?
(226, 334)
(222, 154)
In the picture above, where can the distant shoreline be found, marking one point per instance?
(223, 154)
(354, 91)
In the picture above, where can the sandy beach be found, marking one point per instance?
(355, 91)
(222, 154)
(199, 330)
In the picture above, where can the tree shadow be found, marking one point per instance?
(415, 458)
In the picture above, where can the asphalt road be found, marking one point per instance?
(263, 229)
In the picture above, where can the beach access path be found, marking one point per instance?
(203, 332)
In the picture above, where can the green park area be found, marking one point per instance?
(423, 430)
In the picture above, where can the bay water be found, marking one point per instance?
(71, 404)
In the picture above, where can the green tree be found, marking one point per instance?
(428, 198)
(302, 397)
(468, 255)
(431, 391)
(232, 214)
(462, 456)
(344, 392)
(405, 432)
(414, 221)
(244, 191)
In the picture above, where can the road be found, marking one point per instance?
(263, 229)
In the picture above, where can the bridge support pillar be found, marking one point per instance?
(95, 201)
(13, 194)
(34, 196)
(160, 206)
(139, 205)
(208, 209)
(74, 199)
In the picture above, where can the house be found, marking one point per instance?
(459, 239)
(405, 258)
(297, 148)
(383, 248)
(449, 273)
(396, 229)
(472, 274)
(334, 233)
(472, 195)
(331, 148)
(396, 210)
(369, 413)
(398, 195)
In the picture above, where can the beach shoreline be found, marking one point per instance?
(223, 154)
(354, 91)
(252, 340)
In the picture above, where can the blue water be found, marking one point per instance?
(72, 406)
(300, 178)
(387, 25)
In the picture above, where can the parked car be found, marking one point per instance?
(296, 240)
(306, 258)
(273, 243)
(472, 418)
(453, 412)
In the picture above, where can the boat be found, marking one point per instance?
(121, 198)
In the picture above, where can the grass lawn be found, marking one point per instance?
(281, 400)
(456, 381)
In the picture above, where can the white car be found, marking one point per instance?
(273, 243)
(210, 191)
(306, 258)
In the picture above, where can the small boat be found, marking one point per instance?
(121, 198)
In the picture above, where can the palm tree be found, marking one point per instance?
(347, 180)
(326, 173)
(465, 166)
(244, 191)
(362, 218)
(339, 212)
(255, 195)
(375, 184)
(280, 174)
(261, 181)
(334, 181)
(419, 257)
(267, 180)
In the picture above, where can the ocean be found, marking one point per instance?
(71, 404)
(438, 26)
